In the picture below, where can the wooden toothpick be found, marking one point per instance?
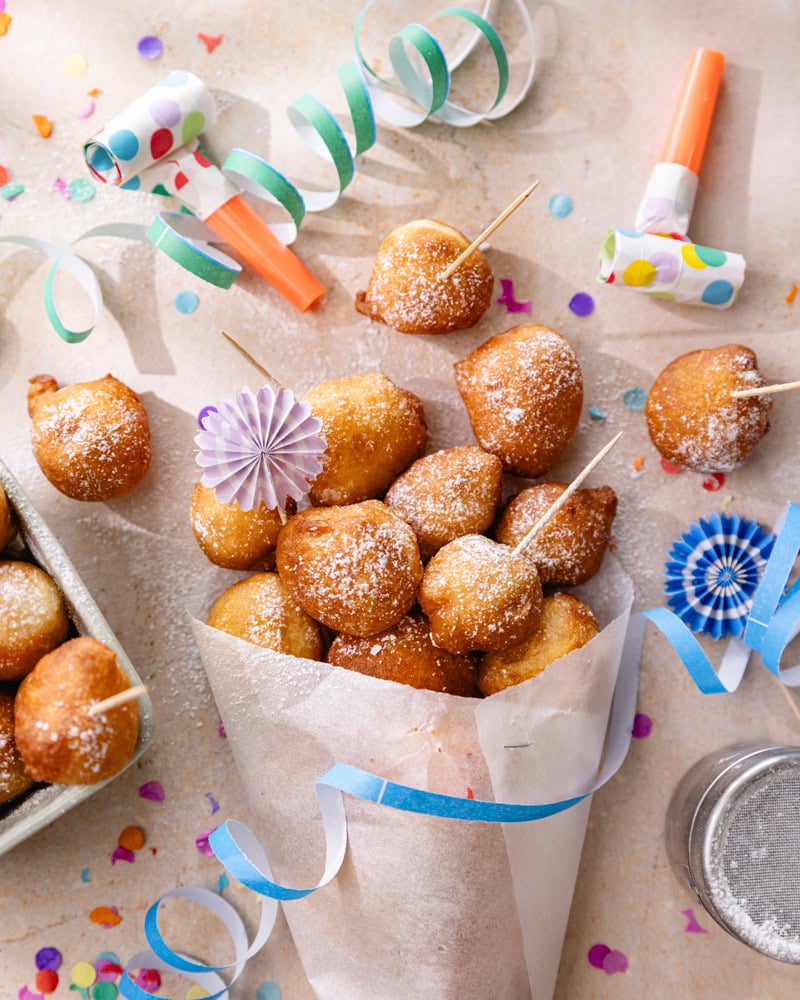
(249, 357)
(501, 218)
(121, 698)
(556, 505)
(765, 389)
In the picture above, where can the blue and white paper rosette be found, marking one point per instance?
(712, 573)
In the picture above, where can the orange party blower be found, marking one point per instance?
(242, 228)
(691, 120)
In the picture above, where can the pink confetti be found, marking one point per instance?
(692, 926)
(25, 994)
(714, 482)
(221, 731)
(152, 790)
(615, 961)
(86, 110)
(107, 971)
(122, 854)
(597, 955)
(507, 298)
(202, 844)
(669, 468)
(61, 187)
(148, 979)
(642, 726)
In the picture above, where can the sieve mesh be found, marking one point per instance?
(755, 861)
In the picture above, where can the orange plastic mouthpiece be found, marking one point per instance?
(691, 120)
(241, 227)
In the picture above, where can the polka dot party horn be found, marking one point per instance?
(656, 257)
(153, 146)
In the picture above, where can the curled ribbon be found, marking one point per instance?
(771, 624)
(243, 857)
(424, 76)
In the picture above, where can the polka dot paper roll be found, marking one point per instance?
(164, 118)
(671, 269)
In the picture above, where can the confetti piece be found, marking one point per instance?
(196, 992)
(792, 294)
(150, 47)
(692, 926)
(642, 726)
(5, 20)
(131, 838)
(634, 399)
(210, 41)
(714, 482)
(153, 790)
(222, 882)
(202, 844)
(46, 980)
(669, 468)
(122, 854)
(638, 463)
(727, 502)
(507, 298)
(24, 992)
(560, 205)
(43, 125)
(81, 189)
(108, 917)
(597, 955)
(61, 187)
(597, 414)
(200, 418)
(582, 304)
(108, 967)
(84, 874)
(11, 191)
(75, 64)
(48, 958)
(105, 991)
(615, 961)
(3, 176)
(186, 302)
(94, 92)
(268, 991)
(83, 974)
(148, 979)
(214, 803)
(221, 731)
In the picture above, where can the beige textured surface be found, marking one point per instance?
(592, 127)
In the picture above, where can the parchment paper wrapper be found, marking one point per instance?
(164, 118)
(422, 906)
(671, 269)
(668, 200)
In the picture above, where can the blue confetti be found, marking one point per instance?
(560, 205)
(597, 414)
(214, 803)
(11, 191)
(186, 302)
(84, 875)
(268, 991)
(222, 882)
(634, 399)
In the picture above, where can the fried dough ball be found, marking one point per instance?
(450, 493)
(57, 737)
(13, 779)
(33, 619)
(406, 653)
(8, 523)
(91, 439)
(523, 390)
(569, 549)
(373, 429)
(691, 416)
(356, 569)
(262, 611)
(232, 537)
(479, 596)
(405, 290)
(566, 624)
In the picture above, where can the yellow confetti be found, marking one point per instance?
(196, 993)
(727, 502)
(75, 64)
(5, 20)
(83, 974)
(43, 125)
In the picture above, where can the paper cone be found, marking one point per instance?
(423, 907)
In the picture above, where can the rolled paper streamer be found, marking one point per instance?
(163, 119)
(671, 269)
(669, 197)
